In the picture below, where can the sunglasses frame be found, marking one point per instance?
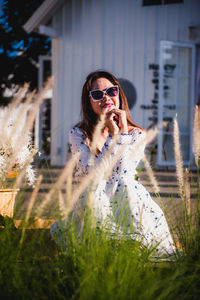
(104, 92)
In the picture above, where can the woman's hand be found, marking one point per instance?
(116, 121)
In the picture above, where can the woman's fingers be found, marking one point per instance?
(120, 118)
(111, 123)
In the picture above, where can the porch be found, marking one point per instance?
(168, 198)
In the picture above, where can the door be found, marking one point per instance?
(176, 97)
(43, 121)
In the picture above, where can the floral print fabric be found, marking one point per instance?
(119, 199)
(120, 196)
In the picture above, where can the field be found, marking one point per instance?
(88, 261)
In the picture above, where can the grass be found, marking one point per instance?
(94, 263)
(90, 266)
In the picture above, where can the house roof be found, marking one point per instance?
(42, 15)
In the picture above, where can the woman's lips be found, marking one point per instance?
(108, 105)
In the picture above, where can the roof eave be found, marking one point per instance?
(42, 15)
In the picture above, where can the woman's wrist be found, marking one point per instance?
(114, 133)
(124, 129)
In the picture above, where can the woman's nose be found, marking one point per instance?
(106, 97)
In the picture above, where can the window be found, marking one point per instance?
(151, 2)
(160, 2)
(176, 98)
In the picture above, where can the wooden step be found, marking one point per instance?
(167, 182)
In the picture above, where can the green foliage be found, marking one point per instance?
(89, 262)
(93, 265)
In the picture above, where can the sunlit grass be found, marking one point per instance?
(90, 261)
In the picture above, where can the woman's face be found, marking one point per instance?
(107, 102)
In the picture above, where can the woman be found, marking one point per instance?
(118, 199)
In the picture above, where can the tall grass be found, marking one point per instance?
(187, 227)
(94, 263)
(91, 267)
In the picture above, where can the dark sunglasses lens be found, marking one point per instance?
(112, 91)
(97, 95)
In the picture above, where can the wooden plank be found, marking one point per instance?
(35, 223)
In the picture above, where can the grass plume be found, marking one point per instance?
(178, 157)
(187, 191)
(68, 169)
(196, 134)
(151, 175)
(93, 266)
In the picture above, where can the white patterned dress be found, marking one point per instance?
(120, 197)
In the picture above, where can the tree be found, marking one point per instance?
(19, 51)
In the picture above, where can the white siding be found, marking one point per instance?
(121, 36)
(56, 133)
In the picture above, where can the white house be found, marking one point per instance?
(152, 45)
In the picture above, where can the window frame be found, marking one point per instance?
(160, 160)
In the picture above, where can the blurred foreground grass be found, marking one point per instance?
(92, 266)
(89, 267)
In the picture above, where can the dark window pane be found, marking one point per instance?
(159, 2)
(151, 2)
(172, 1)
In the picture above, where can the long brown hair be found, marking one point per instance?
(89, 117)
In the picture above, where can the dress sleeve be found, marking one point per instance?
(78, 144)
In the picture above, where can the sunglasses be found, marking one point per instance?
(98, 95)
